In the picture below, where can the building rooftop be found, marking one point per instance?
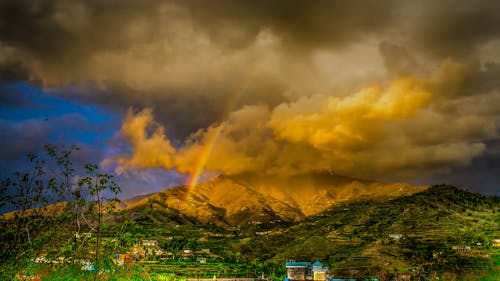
(297, 263)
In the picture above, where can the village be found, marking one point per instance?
(204, 263)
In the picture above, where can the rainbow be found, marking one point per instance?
(212, 138)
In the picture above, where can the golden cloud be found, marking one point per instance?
(376, 132)
(150, 149)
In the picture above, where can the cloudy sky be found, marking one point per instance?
(161, 92)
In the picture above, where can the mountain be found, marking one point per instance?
(253, 199)
(356, 228)
(442, 231)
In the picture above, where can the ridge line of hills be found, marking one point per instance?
(236, 201)
(439, 231)
(357, 228)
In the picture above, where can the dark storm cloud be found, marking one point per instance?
(12, 97)
(478, 176)
(12, 70)
(53, 26)
(18, 139)
(482, 78)
(22, 137)
(193, 62)
(63, 35)
(454, 28)
(60, 40)
(55, 29)
(182, 111)
(100, 44)
(398, 61)
(309, 24)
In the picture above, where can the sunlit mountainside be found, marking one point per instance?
(246, 224)
(357, 228)
(441, 232)
(238, 200)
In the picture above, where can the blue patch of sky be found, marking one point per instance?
(146, 181)
(23, 102)
(34, 103)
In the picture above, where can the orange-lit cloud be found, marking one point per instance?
(376, 132)
(152, 149)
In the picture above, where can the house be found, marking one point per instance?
(464, 250)
(297, 270)
(150, 243)
(305, 271)
(396, 236)
(301, 271)
(29, 278)
(319, 272)
(42, 258)
(496, 243)
(122, 259)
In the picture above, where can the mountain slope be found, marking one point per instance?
(420, 235)
(442, 231)
(251, 199)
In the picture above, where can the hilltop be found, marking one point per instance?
(243, 199)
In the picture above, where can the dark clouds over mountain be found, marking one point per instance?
(375, 89)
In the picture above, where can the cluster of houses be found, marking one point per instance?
(142, 250)
(151, 248)
(305, 271)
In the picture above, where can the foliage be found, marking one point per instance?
(45, 199)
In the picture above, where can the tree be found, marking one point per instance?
(29, 193)
(98, 186)
(45, 198)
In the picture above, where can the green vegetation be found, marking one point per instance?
(58, 215)
(355, 239)
(442, 232)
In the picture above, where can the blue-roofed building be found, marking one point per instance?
(297, 264)
(319, 271)
(305, 271)
(317, 267)
(298, 270)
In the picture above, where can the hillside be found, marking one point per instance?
(442, 231)
(240, 200)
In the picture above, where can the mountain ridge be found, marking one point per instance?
(246, 199)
